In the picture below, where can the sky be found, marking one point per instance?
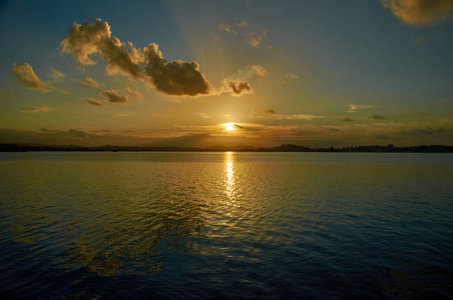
(227, 73)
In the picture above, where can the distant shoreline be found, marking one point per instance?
(282, 148)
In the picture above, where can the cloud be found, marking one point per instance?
(387, 137)
(175, 78)
(35, 109)
(113, 97)
(346, 119)
(77, 133)
(355, 107)
(242, 24)
(94, 101)
(239, 87)
(57, 74)
(420, 12)
(87, 39)
(271, 114)
(291, 76)
(228, 28)
(376, 117)
(256, 39)
(134, 94)
(24, 73)
(428, 131)
(260, 70)
(252, 38)
(238, 126)
(90, 82)
(421, 40)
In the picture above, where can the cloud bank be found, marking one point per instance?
(24, 73)
(420, 12)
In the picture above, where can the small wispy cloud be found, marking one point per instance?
(271, 114)
(91, 82)
(252, 37)
(31, 109)
(228, 28)
(260, 70)
(135, 95)
(56, 74)
(242, 24)
(94, 101)
(356, 107)
(291, 76)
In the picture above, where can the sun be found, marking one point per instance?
(229, 126)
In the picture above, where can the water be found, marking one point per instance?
(226, 225)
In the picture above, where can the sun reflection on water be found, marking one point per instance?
(230, 184)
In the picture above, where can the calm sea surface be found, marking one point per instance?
(226, 225)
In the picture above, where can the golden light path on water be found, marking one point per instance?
(230, 184)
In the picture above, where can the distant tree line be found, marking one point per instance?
(282, 148)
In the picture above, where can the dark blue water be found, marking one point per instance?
(226, 226)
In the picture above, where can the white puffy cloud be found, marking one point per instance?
(24, 73)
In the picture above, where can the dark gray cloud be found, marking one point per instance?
(238, 87)
(238, 126)
(175, 78)
(346, 119)
(376, 117)
(387, 137)
(420, 12)
(113, 97)
(25, 74)
(269, 111)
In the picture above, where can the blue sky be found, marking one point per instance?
(325, 73)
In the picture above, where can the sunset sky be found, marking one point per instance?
(203, 73)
